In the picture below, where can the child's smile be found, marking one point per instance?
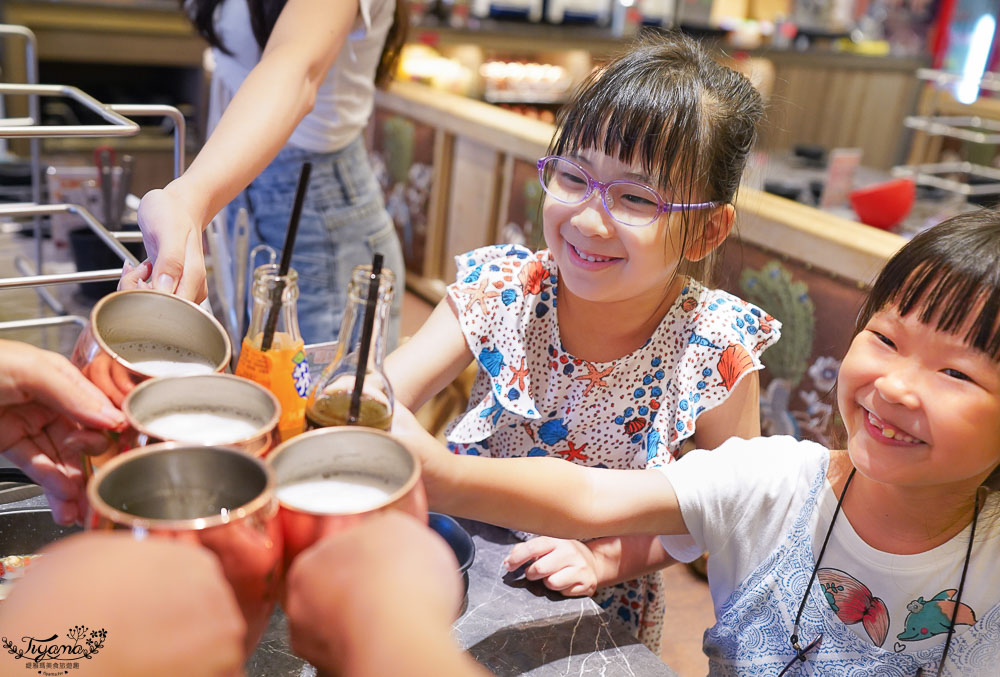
(886, 433)
(590, 260)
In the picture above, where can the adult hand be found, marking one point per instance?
(48, 413)
(172, 236)
(565, 566)
(346, 585)
(164, 605)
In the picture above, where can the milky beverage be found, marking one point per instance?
(158, 359)
(345, 493)
(206, 427)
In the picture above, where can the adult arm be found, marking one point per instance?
(279, 91)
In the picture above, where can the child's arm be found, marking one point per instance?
(542, 495)
(430, 360)
(737, 416)
(576, 569)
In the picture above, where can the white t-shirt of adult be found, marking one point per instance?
(740, 501)
(345, 98)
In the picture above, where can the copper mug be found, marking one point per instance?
(127, 328)
(218, 497)
(217, 409)
(330, 479)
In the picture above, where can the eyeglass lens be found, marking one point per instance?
(628, 202)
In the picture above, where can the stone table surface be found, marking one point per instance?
(511, 626)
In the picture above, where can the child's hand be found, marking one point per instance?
(565, 566)
(433, 455)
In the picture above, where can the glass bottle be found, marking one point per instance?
(281, 367)
(329, 402)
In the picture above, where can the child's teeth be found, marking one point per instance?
(889, 432)
(590, 257)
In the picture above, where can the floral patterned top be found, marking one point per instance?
(532, 398)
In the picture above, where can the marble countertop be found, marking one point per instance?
(511, 626)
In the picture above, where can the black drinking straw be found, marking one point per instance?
(286, 258)
(374, 280)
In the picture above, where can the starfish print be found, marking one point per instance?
(518, 375)
(595, 377)
(574, 453)
(527, 428)
(479, 296)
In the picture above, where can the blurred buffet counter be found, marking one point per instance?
(459, 174)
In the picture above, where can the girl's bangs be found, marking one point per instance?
(648, 124)
(950, 276)
(948, 298)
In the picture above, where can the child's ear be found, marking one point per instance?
(716, 229)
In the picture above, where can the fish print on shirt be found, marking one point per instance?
(933, 617)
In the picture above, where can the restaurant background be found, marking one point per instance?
(454, 143)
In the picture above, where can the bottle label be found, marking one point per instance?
(285, 372)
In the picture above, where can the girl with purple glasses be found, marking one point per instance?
(605, 349)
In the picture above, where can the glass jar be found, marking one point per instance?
(330, 402)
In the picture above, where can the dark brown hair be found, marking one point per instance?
(264, 14)
(669, 107)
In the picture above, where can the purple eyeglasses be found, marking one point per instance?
(628, 202)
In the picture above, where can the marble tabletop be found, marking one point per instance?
(512, 627)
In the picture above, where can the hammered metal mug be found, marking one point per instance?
(217, 409)
(139, 334)
(218, 497)
(330, 479)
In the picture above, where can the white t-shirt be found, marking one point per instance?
(344, 100)
(740, 500)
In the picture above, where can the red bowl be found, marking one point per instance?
(883, 205)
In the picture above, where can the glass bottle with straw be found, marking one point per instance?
(353, 388)
(273, 351)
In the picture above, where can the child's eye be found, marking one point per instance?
(638, 200)
(573, 178)
(956, 374)
(883, 338)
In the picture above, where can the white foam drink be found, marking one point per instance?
(158, 359)
(342, 494)
(204, 427)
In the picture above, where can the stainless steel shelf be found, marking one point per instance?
(967, 128)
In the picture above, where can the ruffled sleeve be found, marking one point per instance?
(723, 341)
(496, 294)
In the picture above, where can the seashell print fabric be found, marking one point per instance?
(532, 398)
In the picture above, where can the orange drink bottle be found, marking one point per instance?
(273, 352)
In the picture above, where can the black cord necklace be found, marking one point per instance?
(800, 652)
